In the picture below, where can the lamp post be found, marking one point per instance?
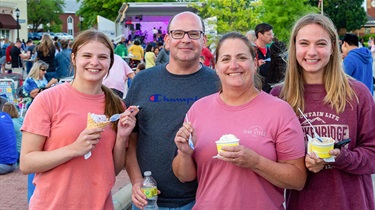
(18, 23)
(81, 21)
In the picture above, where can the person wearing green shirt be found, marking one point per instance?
(121, 49)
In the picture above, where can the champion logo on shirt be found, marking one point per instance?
(164, 98)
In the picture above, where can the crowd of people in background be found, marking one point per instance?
(175, 90)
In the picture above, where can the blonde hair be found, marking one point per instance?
(113, 103)
(46, 45)
(11, 109)
(335, 81)
(34, 71)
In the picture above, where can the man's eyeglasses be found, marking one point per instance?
(179, 34)
(42, 69)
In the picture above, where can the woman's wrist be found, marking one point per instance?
(123, 138)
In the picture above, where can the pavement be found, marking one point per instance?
(13, 191)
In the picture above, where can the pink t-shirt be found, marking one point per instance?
(267, 125)
(60, 114)
(117, 74)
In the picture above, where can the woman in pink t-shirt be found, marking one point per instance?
(270, 156)
(55, 138)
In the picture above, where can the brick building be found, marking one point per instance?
(70, 22)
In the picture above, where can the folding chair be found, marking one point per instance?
(8, 90)
(17, 78)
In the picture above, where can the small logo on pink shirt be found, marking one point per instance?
(255, 131)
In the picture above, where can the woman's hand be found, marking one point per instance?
(314, 163)
(240, 156)
(182, 138)
(127, 122)
(86, 141)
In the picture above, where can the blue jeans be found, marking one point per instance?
(30, 186)
(5, 168)
(188, 206)
(29, 64)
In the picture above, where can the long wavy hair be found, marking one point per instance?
(113, 103)
(46, 45)
(336, 83)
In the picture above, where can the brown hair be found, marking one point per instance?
(46, 45)
(11, 109)
(236, 35)
(113, 103)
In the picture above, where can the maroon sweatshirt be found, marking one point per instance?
(345, 184)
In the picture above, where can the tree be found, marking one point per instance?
(282, 14)
(232, 15)
(44, 12)
(348, 14)
(90, 9)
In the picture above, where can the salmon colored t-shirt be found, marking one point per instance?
(60, 114)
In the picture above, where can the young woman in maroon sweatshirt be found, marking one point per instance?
(339, 107)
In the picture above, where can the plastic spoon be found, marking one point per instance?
(115, 117)
(190, 140)
(267, 60)
(315, 134)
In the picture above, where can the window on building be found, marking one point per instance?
(367, 30)
(70, 25)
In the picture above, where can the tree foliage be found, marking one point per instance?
(90, 9)
(232, 15)
(347, 14)
(282, 14)
(45, 12)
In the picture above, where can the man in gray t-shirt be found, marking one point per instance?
(165, 93)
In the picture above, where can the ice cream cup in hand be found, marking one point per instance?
(321, 149)
(227, 140)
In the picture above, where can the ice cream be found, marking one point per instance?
(321, 149)
(96, 121)
(227, 140)
(324, 139)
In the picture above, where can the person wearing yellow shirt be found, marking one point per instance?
(137, 53)
(149, 57)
